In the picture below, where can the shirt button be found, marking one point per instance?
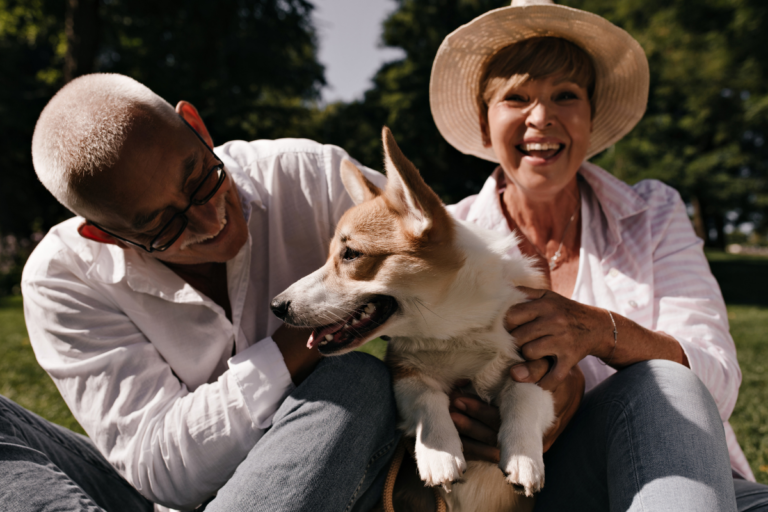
(613, 272)
(633, 303)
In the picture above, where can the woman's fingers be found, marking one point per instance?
(531, 371)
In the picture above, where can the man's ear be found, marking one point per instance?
(91, 232)
(186, 110)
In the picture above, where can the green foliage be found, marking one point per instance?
(705, 127)
(23, 381)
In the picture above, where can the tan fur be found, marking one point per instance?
(452, 283)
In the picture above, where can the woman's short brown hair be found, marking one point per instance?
(534, 59)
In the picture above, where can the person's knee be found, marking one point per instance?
(369, 375)
(357, 379)
(660, 384)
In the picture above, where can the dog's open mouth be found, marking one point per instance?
(365, 319)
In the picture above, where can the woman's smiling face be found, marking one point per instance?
(540, 131)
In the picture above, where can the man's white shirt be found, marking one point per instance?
(144, 361)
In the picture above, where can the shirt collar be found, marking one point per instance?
(617, 200)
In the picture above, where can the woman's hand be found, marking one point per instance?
(552, 327)
(478, 422)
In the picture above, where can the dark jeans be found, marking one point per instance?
(328, 450)
(648, 438)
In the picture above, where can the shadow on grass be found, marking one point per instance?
(743, 279)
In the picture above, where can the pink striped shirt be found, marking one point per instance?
(640, 258)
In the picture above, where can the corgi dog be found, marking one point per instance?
(401, 267)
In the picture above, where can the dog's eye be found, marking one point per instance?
(351, 254)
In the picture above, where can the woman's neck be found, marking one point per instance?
(543, 220)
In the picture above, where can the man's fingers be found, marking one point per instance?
(473, 429)
(478, 410)
(531, 371)
(479, 451)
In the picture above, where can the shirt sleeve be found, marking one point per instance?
(175, 446)
(688, 303)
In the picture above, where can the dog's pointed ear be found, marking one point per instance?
(406, 189)
(358, 186)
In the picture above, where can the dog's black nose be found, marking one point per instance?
(280, 307)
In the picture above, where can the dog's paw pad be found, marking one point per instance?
(525, 474)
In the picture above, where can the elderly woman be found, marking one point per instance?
(633, 317)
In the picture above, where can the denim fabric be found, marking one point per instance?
(44, 467)
(648, 438)
(328, 448)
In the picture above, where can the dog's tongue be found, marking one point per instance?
(319, 334)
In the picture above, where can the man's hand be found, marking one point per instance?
(478, 422)
(300, 360)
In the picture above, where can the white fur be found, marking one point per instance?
(448, 326)
(452, 332)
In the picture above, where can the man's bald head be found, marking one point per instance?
(84, 127)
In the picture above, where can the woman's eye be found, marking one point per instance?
(515, 97)
(351, 254)
(568, 95)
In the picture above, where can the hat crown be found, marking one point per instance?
(521, 3)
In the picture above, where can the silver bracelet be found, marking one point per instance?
(615, 341)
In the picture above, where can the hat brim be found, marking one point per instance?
(621, 67)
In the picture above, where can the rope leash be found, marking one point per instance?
(389, 483)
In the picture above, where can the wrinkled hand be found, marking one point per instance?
(478, 422)
(552, 327)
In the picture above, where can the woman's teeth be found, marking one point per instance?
(538, 146)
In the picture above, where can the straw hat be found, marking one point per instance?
(621, 89)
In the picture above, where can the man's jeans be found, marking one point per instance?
(648, 438)
(328, 450)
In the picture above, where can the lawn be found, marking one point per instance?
(742, 279)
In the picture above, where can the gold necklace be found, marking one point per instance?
(558, 253)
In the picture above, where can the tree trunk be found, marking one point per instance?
(698, 219)
(719, 219)
(81, 26)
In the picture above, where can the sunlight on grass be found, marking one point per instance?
(21, 378)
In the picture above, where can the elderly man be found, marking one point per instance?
(150, 311)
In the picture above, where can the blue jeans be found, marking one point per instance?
(648, 438)
(328, 450)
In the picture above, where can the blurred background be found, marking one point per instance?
(337, 70)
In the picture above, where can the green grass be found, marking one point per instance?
(742, 279)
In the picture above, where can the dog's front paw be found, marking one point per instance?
(438, 467)
(525, 474)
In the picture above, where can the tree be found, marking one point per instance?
(250, 67)
(704, 129)
(400, 99)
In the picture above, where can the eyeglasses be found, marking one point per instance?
(172, 230)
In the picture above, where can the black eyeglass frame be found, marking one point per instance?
(182, 213)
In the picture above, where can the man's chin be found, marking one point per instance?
(219, 249)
